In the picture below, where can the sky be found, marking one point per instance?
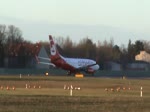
(97, 19)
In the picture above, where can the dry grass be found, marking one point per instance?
(40, 103)
(91, 98)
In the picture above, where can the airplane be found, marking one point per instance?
(72, 65)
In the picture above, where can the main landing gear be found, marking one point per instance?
(68, 73)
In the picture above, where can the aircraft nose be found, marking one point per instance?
(97, 67)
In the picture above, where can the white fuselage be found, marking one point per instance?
(79, 62)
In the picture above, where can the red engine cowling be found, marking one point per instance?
(90, 71)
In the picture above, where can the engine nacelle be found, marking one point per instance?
(90, 71)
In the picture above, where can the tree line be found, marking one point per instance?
(102, 52)
(15, 52)
(19, 53)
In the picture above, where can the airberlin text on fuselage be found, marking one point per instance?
(84, 63)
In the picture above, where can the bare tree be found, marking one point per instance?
(2, 41)
(14, 34)
(146, 46)
(68, 46)
(86, 48)
(2, 33)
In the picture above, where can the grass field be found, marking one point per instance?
(95, 94)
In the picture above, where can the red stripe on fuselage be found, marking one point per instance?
(59, 62)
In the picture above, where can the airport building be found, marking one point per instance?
(143, 56)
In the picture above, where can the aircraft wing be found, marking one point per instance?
(38, 61)
(47, 63)
(43, 58)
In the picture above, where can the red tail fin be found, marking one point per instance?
(53, 49)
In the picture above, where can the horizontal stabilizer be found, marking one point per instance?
(47, 64)
(44, 58)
